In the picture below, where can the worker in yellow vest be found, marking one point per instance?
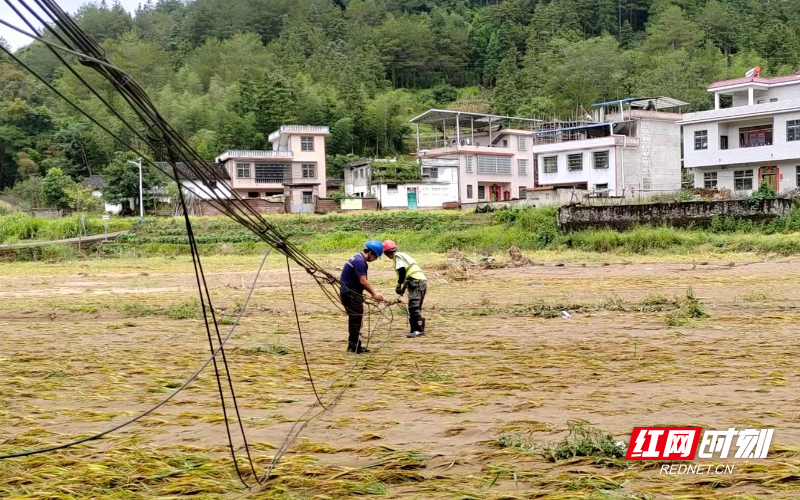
(411, 277)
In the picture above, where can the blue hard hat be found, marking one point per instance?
(376, 247)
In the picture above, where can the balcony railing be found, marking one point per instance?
(270, 180)
(298, 129)
(253, 154)
(278, 180)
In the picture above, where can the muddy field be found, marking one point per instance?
(467, 411)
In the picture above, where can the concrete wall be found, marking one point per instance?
(203, 192)
(112, 208)
(294, 198)
(782, 93)
(262, 206)
(429, 195)
(659, 156)
(546, 197)
(696, 213)
(328, 205)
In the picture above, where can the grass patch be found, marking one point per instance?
(183, 310)
(583, 441)
(756, 297)
(274, 348)
(521, 442)
(690, 308)
(529, 229)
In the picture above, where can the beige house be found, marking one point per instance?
(294, 169)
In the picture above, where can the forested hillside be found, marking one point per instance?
(227, 72)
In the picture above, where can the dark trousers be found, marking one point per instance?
(353, 303)
(416, 296)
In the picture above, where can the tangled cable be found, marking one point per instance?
(162, 139)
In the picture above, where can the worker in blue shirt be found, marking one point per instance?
(354, 282)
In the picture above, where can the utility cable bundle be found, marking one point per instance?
(154, 132)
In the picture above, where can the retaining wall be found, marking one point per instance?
(677, 214)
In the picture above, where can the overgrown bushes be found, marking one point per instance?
(419, 231)
(21, 226)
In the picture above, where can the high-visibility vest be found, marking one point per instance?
(413, 270)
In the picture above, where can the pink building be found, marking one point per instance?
(492, 153)
(294, 168)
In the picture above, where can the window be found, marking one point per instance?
(701, 139)
(430, 172)
(550, 164)
(723, 142)
(710, 180)
(308, 197)
(391, 189)
(575, 162)
(309, 171)
(306, 144)
(481, 192)
(793, 130)
(600, 187)
(522, 166)
(523, 192)
(774, 99)
(522, 144)
(600, 159)
(797, 175)
(270, 173)
(469, 191)
(751, 137)
(252, 194)
(505, 143)
(242, 170)
(494, 165)
(742, 180)
(469, 164)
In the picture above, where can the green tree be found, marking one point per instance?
(28, 193)
(81, 199)
(270, 98)
(671, 30)
(122, 179)
(341, 139)
(54, 188)
(102, 22)
(508, 95)
(26, 167)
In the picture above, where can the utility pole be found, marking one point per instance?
(141, 195)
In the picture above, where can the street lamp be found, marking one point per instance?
(141, 196)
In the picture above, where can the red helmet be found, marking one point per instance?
(389, 246)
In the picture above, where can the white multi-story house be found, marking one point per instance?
(754, 139)
(294, 168)
(629, 146)
(491, 154)
(431, 187)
